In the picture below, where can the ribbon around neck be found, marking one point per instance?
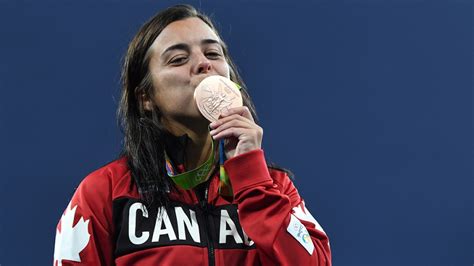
(199, 175)
(190, 179)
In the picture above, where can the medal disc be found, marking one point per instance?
(215, 94)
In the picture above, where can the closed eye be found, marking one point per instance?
(213, 55)
(178, 60)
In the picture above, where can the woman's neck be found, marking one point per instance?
(197, 151)
(198, 147)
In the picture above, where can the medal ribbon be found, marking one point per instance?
(225, 187)
(201, 174)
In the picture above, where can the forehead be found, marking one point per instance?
(190, 31)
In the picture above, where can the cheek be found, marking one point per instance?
(168, 83)
(167, 79)
(225, 70)
(172, 92)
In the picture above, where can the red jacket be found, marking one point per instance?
(266, 224)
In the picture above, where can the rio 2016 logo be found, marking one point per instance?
(306, 238)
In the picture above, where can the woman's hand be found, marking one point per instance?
(239, 130)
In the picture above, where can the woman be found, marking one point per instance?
(133, 212)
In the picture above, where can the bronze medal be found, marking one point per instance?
(215, 94)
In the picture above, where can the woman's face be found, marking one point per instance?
(185, 52)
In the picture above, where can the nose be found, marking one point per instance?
(203, 67)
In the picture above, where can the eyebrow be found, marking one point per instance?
(183, 46)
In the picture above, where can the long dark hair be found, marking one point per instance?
(143, 131)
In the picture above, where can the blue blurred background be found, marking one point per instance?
(368, 102)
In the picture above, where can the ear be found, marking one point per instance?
(147, 102)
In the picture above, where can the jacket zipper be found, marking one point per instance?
(208, 226)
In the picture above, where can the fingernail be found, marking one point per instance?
(212, 132)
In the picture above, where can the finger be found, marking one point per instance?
(229, 124)
(233, 117)
(238, 132)
(241, 110)
(230, 132)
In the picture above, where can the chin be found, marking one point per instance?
(193, 119)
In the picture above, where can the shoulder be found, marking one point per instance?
(107, 174)
(111, 170)
(282, 179)
(279, 174)
(93, 198)
(110, 179)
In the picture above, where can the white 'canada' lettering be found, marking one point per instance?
(192, 225)
(132, 224)
(162, 216)
(224, 232)
(186, 220)
(247, 240)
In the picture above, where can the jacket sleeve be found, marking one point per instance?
(84, 233)
(274, 216)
